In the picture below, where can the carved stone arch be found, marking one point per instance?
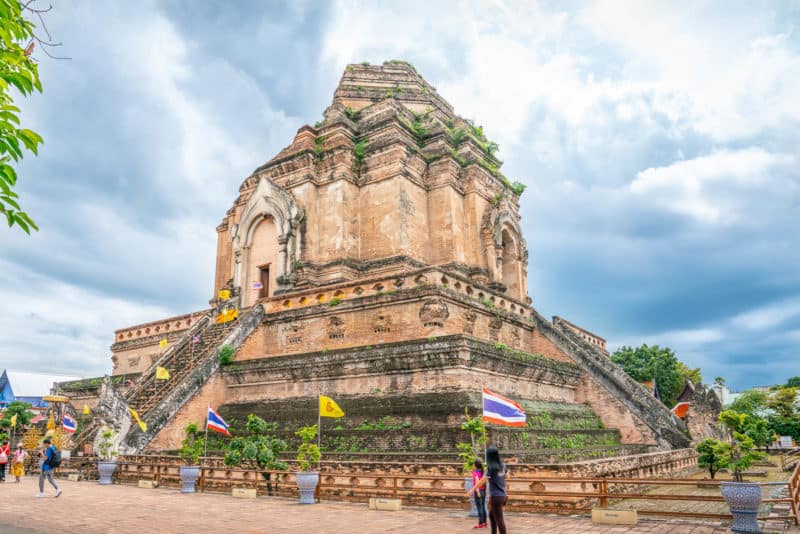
(506, 262)
(272, 202)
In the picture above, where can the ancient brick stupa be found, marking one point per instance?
(379, 259)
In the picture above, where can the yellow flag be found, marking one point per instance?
(13, 420)
(227, 316)
(162, 343)
(135, 415)
(162, 373)
(224, 294)
(85, 409)
(329, 408)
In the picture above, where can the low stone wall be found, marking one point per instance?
(439, 484)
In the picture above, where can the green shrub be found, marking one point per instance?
(259, 447)
(192, 445)
(226, 355)
(308, 453)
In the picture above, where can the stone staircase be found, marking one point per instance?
(190, 366)
(180, 363)
(669, 430)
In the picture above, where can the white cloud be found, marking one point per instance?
(692, 187)
(55, 327)
(768, 317)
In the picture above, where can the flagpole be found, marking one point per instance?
(319, 432)
(205, 451)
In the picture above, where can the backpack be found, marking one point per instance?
(55, 458)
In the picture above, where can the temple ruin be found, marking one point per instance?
(379, 259)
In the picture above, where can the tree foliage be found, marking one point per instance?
(752, 401)
(743, 451)
(646, 363)
(713, 455)
(478, 440)
(782, 400)
(308, 453)
(692, 375)
(20, 72)
(793, 382)
(21, 410)
(258, 448)
(193, 444)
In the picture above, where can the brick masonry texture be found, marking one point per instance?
(390, 248)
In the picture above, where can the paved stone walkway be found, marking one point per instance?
(86, 507)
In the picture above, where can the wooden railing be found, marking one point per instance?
(794, 493)
(340, 481)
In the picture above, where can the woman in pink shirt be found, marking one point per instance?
(479, 495)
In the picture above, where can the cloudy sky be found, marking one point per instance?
(659, 143)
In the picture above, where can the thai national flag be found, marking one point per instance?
(216, 423)
(69, 424)
(501, 411)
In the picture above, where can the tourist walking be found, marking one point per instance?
(5, 452)
(18, 462)
(496, 476)
(51, 461)
(480, 495)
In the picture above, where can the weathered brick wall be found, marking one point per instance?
(541, 345)
(613, 413)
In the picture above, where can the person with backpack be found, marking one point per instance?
(5, 452)
(52, 459)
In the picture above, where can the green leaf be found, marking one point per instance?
(22, 224)
(31, 140)
(8, 200)
(28, 220)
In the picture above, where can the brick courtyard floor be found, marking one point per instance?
(86, 507)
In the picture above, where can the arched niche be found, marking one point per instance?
(267, 237)
(505, 249)
(510, 262)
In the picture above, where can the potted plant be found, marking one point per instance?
(107, 452)
(191, 449)
(258, 448)
(743, 498)
(469, 451)
(307, 456)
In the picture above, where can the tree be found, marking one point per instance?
(258, 448)
(751, 402)
(782, 401)
(719, 381)
(713, 455)
(192, 445)
(793, 382)
(646, 363)
(21, 410)
(17, 70)
(478, 440)
(743, 455)
(743, 452)
(758, 429)
(692, 375)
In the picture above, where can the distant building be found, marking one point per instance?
(588, 336)
(726, 396)
(27, 387)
